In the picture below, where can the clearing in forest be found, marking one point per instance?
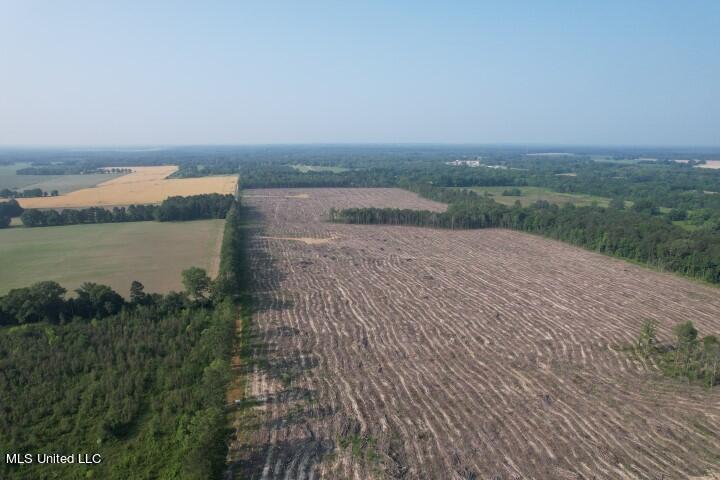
(319, 168)
(114, 254)
(144, 185)
(406, 352)
(531, 195)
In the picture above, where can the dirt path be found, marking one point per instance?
(215, 261)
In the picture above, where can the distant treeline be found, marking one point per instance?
(194, 207)
(629, 234)
(47, 302)
(283, 176)
(68, 170)
(28, 193)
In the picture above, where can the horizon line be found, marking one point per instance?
(354, 144)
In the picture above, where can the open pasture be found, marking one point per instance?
(69, 183)
(400, 352)
(48, 183)
(114, 254)
(531, 195)
(9, 179)
(144, 185)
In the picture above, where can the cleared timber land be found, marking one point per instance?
(400, 352)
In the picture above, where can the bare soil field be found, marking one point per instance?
(400, 352)
(144, 185)
(711, 164)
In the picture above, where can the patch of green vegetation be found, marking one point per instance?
(61, 183)
(687, 225)
(363, 447)
(690, 358)
(530, 195)
(153, 412)
(8, 178)
(703, 429)
(112, 254)
(69, 183)
(318, 168)
(623, 161)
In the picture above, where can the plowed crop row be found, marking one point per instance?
(400, 352)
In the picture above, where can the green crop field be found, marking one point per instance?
(70, 183)
(8, 179)
(48, 183)
(531, 195)
(114, 254)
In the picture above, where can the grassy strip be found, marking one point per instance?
(242, 415)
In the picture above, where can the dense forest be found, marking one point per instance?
(141, 381)
(193, 207)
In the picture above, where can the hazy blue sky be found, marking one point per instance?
(151, 72)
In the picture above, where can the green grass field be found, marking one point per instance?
(114, 254)
(62, 183)
(70, 183)
(531, 195)
(318, 168)
(685, 224)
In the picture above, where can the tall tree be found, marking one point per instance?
(95, 300)
(196, 282)
(648, 336)
(137, 292)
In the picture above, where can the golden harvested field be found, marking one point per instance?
(401, 352)
(144, 185)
